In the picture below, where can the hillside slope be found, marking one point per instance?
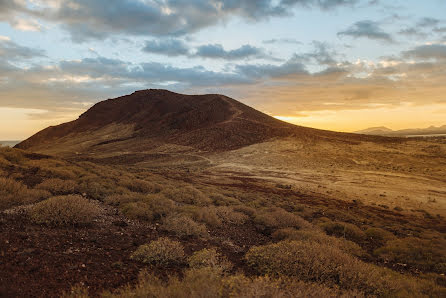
(150, 118)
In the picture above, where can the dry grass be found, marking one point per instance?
(161, 252)
(187, 195)
(345, 230)
(64, 211)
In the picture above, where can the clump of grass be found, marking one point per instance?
(64, 211)
(160, 252)
(183, 226)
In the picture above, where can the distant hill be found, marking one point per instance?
(152, 118)
(384, 131)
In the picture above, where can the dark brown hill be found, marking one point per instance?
(137, 121)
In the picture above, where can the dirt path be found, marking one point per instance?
(237, 111)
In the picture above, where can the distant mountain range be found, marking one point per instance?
(412, 132)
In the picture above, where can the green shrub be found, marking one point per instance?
(209, 258)
(183, 226)
(161, 252)
(345, 230)
(64, 211)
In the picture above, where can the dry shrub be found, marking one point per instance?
(278, 218)
(58, 186)
(12, 155)
(345, 230)
(138, 185)
(207, 282)
(187, 195)
(228, 215)
(209, 258)
(147, 208)
(14, 193)
(221, 200)
(64, 211)
(124, 198)
(251, 212)
(206, 215)
(183, 226)
(317, 236)
(421, 253)
(378, 235)
(160, 252)
(328, 265)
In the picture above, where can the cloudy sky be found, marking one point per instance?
(334, 64)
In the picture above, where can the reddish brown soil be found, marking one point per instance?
(40, 261)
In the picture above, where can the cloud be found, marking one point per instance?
(367, 29)
(99, 19)
(431, 51)
(26, 25)
(169, 47)
(428, 22)
(217, 51)
(9, 50)
(282, 40)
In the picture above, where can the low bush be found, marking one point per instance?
(228, 215)
(423, 254)
(58, 186)
(64, 211)
(206, 215)
(328, 265)
(160, 252)
(14, 193)
(187, 195)
(138, 185)
(378, 235)
(209, 258)
(345, 230)
(268, 220)
(184, 227)
(206, 282)
(317, 236)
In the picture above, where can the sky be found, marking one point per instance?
(341, 65)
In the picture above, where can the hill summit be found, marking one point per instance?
(205, 122)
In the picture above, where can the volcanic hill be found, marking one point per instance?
(150, 118)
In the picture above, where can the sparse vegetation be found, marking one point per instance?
(64, 211)
(160, 252)
(183, 226)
